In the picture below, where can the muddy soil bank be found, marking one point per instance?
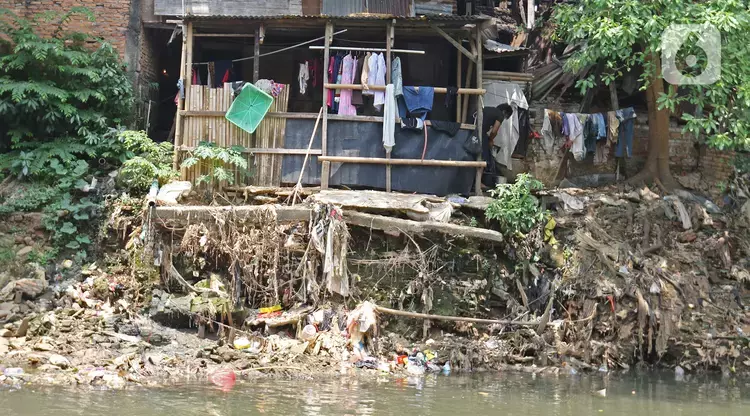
(616, 278)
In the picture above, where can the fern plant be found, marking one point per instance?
(514, 207)
(58, 98)
(149, 161)
(218, 159)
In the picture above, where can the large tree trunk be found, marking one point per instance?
(657, 163)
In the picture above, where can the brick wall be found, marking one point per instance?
(112, 16)
(685, 156)
(118, 22)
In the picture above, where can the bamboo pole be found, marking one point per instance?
(388, 45)
(256, 56)
(480, 106)
(180, 104)
(326, 168)
(469, 77)
(438, 90)
(410, 162)
(417, 315)
(459, 70)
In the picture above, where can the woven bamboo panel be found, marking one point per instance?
(270, 135)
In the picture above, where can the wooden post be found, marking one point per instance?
(180, 101)
(459, 68)
(256, 59)
(616, 106)
(480, 105)
(389, 35)
(189, 63)
(326, 166)
(469, 75)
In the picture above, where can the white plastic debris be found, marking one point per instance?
(171, 192)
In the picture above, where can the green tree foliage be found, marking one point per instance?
(63, 99)
(627, 34)
(59, 97)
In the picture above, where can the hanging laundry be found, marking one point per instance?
(220, 70)
(450, 96)
(412, 123)
(416, 102)
(626, 117)
(524, 133)
(196, 77)
(337, 64)
(379, 80)
(551, 130)
(180, 89)
(367, 67)
(358, 67)
(389, 118)
(509, 133)
(347, 76)
(329, 78)
(396, 78)
(227, 77)
(303, 76)
(211, 74)
(314, 71)
(574, 135)
(613, 124)
(449, 127)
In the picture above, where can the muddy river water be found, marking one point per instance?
(496, 394)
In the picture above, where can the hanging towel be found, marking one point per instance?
(398, 83)
(417, 102)
(303, 77)
(367, 67)
(379, 80)
(389, 118)
(575, 136)
(450, 96)
(347, 75)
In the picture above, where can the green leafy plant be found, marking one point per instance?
(63, 97)
(218, 161)
(146, 161)
(514, 207)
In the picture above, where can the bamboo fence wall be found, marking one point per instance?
(262, 169)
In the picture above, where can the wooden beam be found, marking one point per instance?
(472, 57)
(256, 56)
(438, 90)
(267, 151)
(224, 35)
(410, 162)
(480, 109)
(326, 168)
(417, 315)
(180, 215)
(399, 225)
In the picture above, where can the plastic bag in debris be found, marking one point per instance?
(317, 236)
(362, 319)
(570, 202)
(171, 192)
(438, 211)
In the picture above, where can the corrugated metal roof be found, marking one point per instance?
(356, 17)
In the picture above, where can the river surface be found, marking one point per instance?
(497, 394)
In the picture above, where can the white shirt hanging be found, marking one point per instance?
(303, 77)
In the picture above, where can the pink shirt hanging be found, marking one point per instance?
(347, 77)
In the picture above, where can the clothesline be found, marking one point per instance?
(277, 51)
(345, 48)
(437, 90)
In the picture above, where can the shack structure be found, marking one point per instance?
(439, 51)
